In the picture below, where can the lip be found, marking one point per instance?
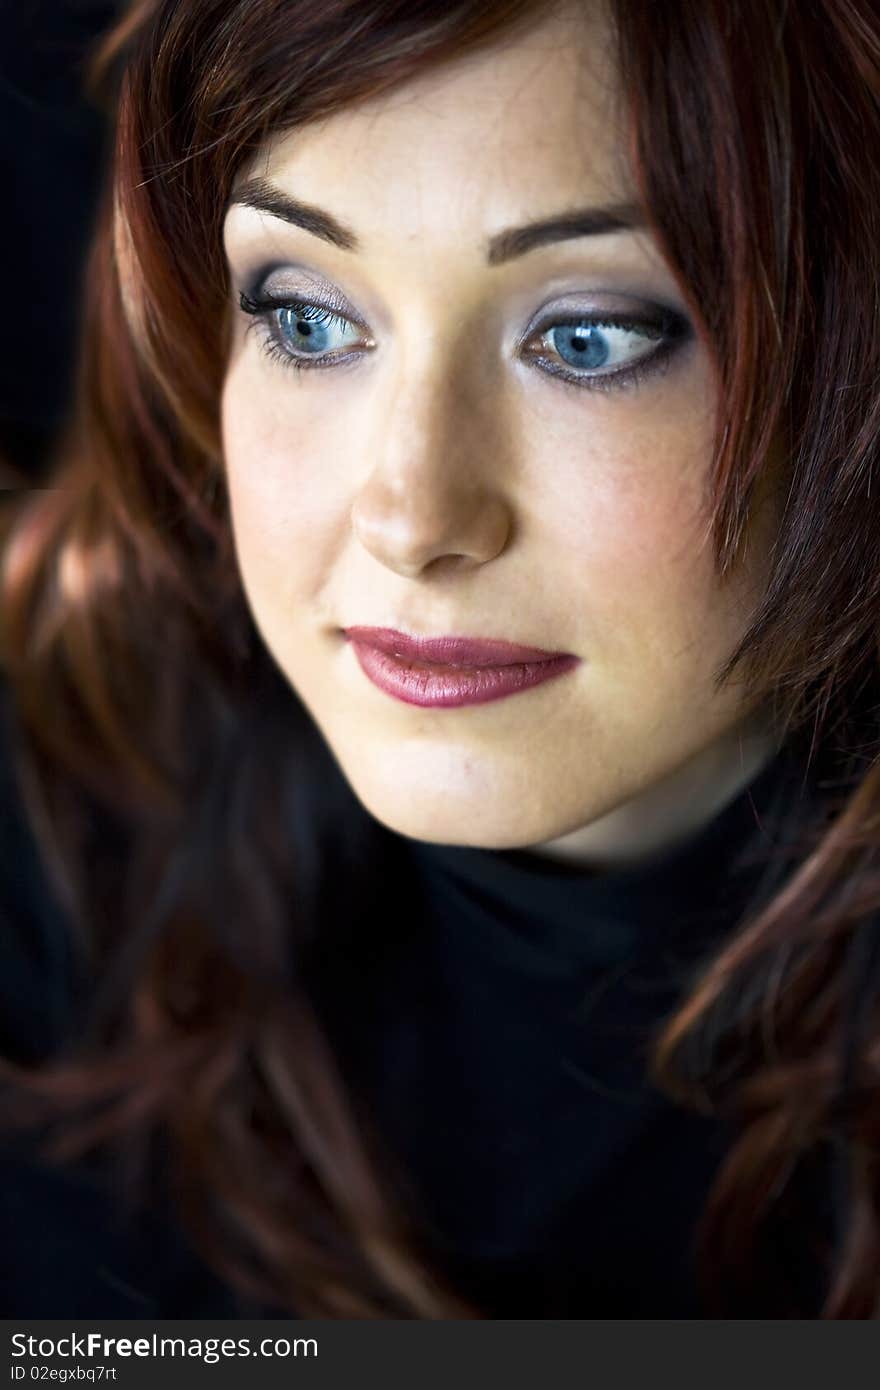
(407, 668)
(468, 652)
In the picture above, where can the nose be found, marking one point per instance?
(434, 496)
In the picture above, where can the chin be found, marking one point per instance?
(443, 823)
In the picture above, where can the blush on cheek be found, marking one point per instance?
(627, 542)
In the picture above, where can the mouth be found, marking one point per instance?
(472, 671)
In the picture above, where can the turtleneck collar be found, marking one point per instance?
(558, 909)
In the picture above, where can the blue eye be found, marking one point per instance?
(295, 330)
(309, 328)
(593, 352)
(589, 345)
(603, 352)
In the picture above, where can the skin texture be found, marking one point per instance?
(443, 483)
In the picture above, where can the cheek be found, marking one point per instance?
(628, 498)
(287, 502)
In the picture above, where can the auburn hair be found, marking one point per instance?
(184, 806)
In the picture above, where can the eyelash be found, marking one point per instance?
(670, 328)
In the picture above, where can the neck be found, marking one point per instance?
(673, 809)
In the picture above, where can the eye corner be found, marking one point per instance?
(247, 304)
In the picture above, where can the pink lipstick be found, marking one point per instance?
(452, 671)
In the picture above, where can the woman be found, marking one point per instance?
(423, 978)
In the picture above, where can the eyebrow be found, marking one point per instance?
(502, 246)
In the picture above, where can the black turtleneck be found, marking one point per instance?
(504, 1048)
(496, 1028)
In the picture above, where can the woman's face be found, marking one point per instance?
(439, 475)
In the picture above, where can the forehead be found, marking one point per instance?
(486, 140)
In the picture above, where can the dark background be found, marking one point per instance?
(54, 142)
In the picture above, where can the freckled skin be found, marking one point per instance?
(444, 484)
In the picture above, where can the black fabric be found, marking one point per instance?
(504, 1051)
(496, 1024)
